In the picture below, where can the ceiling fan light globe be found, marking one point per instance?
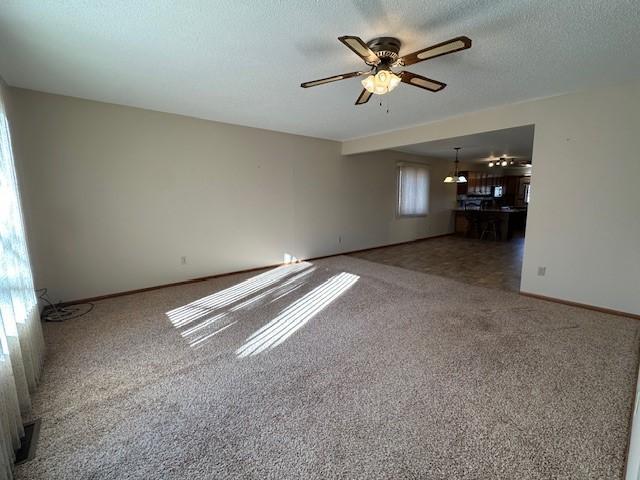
(449, 179)
(367, 83)
(462, 179)
(394, 82)
(382, 82)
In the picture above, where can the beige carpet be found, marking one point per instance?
(341, 369)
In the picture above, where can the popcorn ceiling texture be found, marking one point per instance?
(243, 61)
(404, 375)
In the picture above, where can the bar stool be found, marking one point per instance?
(491, 228)
(473, 223)
(472, 215)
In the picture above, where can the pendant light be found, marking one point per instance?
(456, 177)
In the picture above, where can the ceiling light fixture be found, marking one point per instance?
(500, 162)
(456, 177)
(382, 82)
(510, 162)
(381, 54)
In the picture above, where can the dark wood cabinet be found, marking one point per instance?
(480, 183)
(511, 185)
(463, 188)
(483, 183)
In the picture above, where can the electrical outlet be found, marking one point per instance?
(183, 260)
(542, 271)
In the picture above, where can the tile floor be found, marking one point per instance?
(478, 262)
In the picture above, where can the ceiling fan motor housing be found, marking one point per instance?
(387, 49)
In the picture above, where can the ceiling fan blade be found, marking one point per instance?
(364, 97)
(335, 78)
(444, 48)
(421, 82)
(357, 46)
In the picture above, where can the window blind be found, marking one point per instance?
(413, 190)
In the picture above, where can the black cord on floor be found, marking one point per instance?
(59, 313)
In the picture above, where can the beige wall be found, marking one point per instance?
(115, 196)
(584, 222)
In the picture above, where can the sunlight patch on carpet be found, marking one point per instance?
(197, 309)
(296, 315)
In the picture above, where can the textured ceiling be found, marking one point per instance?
(242, 61)
(477, 148)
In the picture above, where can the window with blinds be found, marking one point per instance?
(413, 190)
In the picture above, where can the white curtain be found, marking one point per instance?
(413, 190)
(21, 342)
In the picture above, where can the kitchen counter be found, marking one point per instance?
(492, 210)
(471, 222)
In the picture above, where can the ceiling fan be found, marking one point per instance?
(382, 56)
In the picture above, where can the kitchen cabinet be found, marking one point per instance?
(463, 188)
(483, 183)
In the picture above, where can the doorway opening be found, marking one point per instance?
(488, 211)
